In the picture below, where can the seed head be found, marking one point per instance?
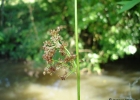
(50, 47)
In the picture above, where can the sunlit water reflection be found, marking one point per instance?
(93, 87)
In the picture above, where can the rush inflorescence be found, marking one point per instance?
(57, 56)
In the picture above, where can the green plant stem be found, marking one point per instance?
(74, 64)
(77, 51)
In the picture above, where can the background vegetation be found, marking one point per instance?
(104, 34)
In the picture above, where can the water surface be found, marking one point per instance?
(20, 82)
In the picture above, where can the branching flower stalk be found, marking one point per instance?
(57, 55)
(59, 58)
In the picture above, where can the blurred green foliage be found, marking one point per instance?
(104, 34)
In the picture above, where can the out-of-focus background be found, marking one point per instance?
(109, 48)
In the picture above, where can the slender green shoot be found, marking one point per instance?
(77, 50)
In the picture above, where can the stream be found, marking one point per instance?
(20, 82)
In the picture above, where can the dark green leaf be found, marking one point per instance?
(128, 5)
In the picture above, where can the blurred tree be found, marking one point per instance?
(104, 34)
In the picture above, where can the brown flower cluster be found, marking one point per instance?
(51, 49)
